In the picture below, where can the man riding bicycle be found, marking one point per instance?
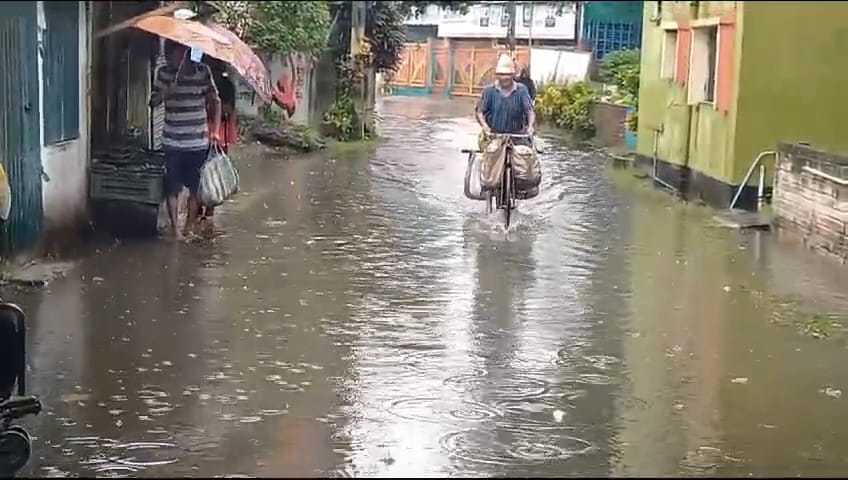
(505, 106)
(509, 168)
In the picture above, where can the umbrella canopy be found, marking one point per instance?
(249, 65)
(215, 41)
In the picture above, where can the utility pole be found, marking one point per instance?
(510, 29)
(358, 12)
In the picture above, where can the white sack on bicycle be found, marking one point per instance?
(526, 167)
(473, 187)
(494, 158)
(219, 178)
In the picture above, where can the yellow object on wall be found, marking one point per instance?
(5, 195)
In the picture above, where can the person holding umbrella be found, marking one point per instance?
(187, 89)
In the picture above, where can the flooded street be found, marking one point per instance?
(360, 317)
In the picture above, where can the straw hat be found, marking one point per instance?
(505, 66)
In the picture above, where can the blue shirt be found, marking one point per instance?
(506, 113)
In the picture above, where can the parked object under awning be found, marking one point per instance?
(213, 40)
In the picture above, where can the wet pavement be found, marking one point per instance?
(359, 317)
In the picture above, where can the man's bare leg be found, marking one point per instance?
(191, 215)
(173, 209)
(208, 214)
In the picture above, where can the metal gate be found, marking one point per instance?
(607, 37)
(20, 145)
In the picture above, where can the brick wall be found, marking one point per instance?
(811, 197)
(610, 124)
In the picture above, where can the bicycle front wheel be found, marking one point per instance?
(508, 202)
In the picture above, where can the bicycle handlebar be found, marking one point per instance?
(512, 135)
(15, 408)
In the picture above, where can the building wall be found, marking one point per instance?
(695, 137)
(548, 22)
(792, 80)
(288, 70)
(65, 190)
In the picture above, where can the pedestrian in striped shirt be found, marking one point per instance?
(187, 88)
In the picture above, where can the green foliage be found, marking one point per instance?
(340, 120)
(621, 69)
(382, 50)
(613, 64)
(568, 106)
(278, 26)
(272, 114)
(633, 121)
(386, 35)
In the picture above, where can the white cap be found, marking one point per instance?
(505, 65)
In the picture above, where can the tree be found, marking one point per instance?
(278, 26)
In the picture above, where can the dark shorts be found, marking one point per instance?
(182, 169)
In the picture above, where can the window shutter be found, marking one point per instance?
(684, 42)
(726, 64)
(61, 72)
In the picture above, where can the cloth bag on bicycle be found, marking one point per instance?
(527, 168)
(492, 167)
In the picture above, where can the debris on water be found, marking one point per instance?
(75, 397)
(831, 392)
(559, 415)
(817, 326)
(740, 380)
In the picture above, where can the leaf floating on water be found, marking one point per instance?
(740, 380)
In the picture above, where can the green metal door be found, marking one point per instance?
(20, 146)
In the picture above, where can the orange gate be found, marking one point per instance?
(474, 67)
(458, 70)
(414, 66)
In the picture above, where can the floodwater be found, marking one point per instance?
(359, 317)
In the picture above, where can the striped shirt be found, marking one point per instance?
(186, 127)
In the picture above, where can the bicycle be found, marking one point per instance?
(504, 195)
(15, 441)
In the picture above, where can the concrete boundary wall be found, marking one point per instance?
(811, 197)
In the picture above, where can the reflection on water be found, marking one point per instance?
(359, 316)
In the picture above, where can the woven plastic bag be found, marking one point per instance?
(526, 167)
(219, 179)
